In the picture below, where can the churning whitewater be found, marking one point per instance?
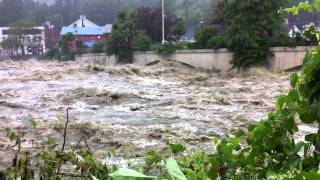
(128, 107)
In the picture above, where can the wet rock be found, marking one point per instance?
(115, 144)
(136, 107)
(155, 135)
(87, 128)
(164, 103)
(98, 68)
(201, 77)
(205, 139)
(213, 134)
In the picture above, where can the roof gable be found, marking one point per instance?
(108, 28)
(83, 22)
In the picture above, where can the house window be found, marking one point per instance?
(93, 38)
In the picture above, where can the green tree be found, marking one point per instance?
(178, 29)
(64, 44)
(215, 15)
(81, 47)
(204, 35)
(141, 42)
(149, 20)
(250, 24)
(120, 41)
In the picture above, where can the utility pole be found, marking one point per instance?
(163, 20)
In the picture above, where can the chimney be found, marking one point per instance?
(82, 19)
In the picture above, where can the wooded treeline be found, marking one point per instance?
(63, 12)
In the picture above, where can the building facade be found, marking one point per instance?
(87, 31)
(51, 36)
(33, 40)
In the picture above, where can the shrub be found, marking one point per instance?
(165, 49)
(283, 40)
(203, 37)
(141, 42)
(98, 47)
(81, 47)
(217, 42)
(65, 52)
(67, 56)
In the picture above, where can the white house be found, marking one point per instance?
(34, 41)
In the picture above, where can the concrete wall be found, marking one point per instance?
(199, 58)
(284, 58)
(101, 59)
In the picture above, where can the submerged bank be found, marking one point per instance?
(130, 108)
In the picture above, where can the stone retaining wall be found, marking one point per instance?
(284, 58)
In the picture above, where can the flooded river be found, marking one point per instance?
(129, 108)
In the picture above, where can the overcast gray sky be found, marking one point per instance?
(46, 1)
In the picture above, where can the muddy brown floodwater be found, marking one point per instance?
(129, 108)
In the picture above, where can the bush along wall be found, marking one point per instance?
(249, 26)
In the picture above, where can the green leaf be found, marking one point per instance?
(298, 147)
(177, 148)
(128, 174)
(94, 178)
(271, 175)
(33, 122)
(174, 170)
(294, 80)
(12, 136)
(215, 140)
(307, 117)
(240, 133)
(280, 102)
(317, 4)
(310, 137)
(51, 140)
